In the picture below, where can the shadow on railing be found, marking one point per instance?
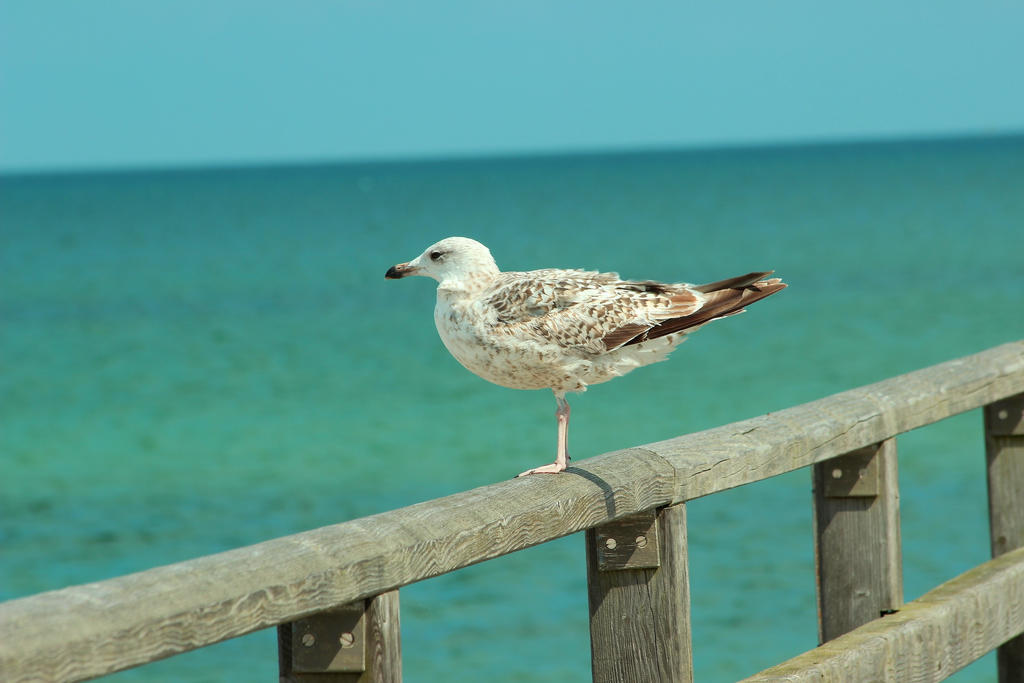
(333, 591)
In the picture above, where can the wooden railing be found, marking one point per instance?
(333, 591)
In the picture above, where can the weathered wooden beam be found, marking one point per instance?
(639, 600)
(98, 628)
(1004, 449)
(857, 538)
(384, 640)
(355, 643)
(779, 442)
(929, 639)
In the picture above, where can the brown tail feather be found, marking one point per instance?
(727, 298)
(734, 282)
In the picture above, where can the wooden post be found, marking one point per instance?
(639, 593)
(355, 643)
(1004, 450)
(857, 538)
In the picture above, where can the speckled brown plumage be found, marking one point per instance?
(564, 329)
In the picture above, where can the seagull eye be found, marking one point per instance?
(436, 255)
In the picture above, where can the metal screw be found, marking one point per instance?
(837, 473)
(347, 639)
(610, 544)
(308, 640)
(641, 541)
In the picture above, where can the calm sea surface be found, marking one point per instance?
(196, 361)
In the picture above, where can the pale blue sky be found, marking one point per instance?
(110, 83)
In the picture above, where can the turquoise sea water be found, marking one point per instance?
(196, 361)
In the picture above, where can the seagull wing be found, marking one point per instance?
(587, 311)
(598, 312)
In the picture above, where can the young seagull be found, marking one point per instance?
(564, 329)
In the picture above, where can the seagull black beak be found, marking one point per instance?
(398, 271)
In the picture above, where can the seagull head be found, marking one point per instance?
(453, 259)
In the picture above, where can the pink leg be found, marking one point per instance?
(562, 456)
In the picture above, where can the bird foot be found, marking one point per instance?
(553, 468)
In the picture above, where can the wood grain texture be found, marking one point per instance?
(752, 450)
(1004, 451)
(640, 617)
(929, 639)
(384, 651)
(98, 628)
(857, 542)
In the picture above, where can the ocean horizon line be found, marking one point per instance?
(526, 156)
